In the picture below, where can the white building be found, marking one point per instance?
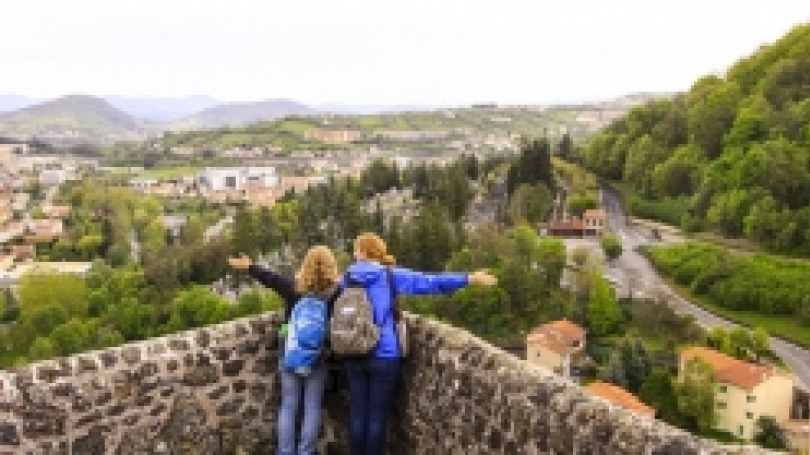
(237, 178)
(174, 224)
(55, 177)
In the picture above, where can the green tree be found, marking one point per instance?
(41, 349)
(154, 237)
(804, 311)
(769, 434)
(132, 319)
(565, 149)
(604, 314)
(89, 246)
(533, 166)
(242, 232)
(695, 393)
(718, 338)
(530, 204)
(457, 192)
(550, 259)
(470, 163)
(637, 362)
(642, 156)
(659, 392)
(678, 175)
(268, 235)
(711, 112)
(73, 336)
(254, 303)
(577, 205)
(611, 246)
(614, 371)
(195, 307)
(193, 232)
(119, 254)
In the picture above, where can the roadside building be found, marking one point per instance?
(333, 135)
(237, 178)
(595, 221)
(556, 346)
(572, 227)
(744, 391)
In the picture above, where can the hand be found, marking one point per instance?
(240, 263)
(483, 278)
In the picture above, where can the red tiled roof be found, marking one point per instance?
(559, 336)
(728, 369)
(558, 225)
(620, 397)
(595, 213)
(568, 328)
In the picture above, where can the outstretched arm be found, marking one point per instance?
(284, 287)
(409, 282)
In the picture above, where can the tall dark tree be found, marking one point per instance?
(659, 392)
(267, 227)
(565, 149)
(636, 361)
(470, 163)
(457, 193)
(532, 166)
(243, 233)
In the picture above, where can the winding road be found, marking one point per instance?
(631, 262)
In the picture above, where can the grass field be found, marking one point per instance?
(168, 172)
(785, 327)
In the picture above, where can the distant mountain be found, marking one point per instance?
(10, 103)
(74, 118)
(238, 114)
(162, 109)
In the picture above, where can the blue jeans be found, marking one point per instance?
(292, 387)
(372, 383)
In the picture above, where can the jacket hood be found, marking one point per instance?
(366, 273)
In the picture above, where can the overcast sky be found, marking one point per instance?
(430, 52)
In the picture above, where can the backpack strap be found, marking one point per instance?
(350, 282)
(394, 296)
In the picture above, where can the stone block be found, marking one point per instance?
(9, 436)
(131, 354)
(233, 367)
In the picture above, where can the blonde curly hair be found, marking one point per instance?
(318, 272)
(374, 248)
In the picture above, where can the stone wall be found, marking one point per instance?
(215, 391)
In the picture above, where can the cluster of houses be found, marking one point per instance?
(23, 224)
(343, 135)
(258, 186)
(19, 239)
(262, 182)
(743, 391)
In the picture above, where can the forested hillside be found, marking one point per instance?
(731, 155)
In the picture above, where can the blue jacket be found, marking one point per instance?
(373, 276)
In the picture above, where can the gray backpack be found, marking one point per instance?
(352, 331)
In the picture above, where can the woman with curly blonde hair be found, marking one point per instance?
(318, 274)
